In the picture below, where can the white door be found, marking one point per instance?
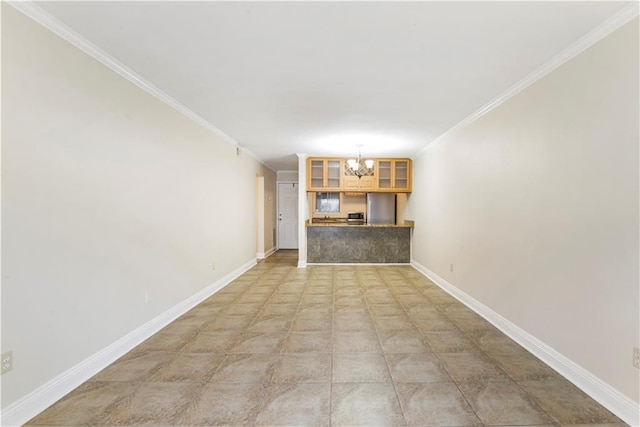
(287, 215)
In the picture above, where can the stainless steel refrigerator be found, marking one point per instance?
(381, 208)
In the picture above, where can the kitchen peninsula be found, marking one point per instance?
(357, 211)
(340, 242)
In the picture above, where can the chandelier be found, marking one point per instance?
(358, 167)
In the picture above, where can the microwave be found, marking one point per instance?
(355, 218)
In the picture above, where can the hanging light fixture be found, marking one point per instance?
(358, 167)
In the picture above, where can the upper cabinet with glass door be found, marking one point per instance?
(335, 174)
(324, 174)
(394, 175)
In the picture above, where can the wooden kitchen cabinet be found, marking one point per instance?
(324, 174)
(393, 175)
(351, 182)
(365, 183)
(332, 174)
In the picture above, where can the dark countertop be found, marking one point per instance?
(376, 244)
(407, 224)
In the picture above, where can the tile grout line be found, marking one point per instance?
(264, 393)
(444, 365)
(469, 334)
(333, 317)
(437, 355)
(266, 285)
(517, 383)
(384, 355)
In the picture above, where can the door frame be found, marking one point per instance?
(260, 217)
(278, 208)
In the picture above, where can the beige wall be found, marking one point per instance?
(352, 204)
(536, 205)
(287, 176)
(270, 204)
(401, 206)
(271, 201)
(347, 204)
(114, 206)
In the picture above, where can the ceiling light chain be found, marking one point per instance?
(358, 167)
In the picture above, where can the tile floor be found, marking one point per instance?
(328, 345)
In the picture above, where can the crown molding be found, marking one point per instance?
(250, 153)
(614, 22)
(43, 18)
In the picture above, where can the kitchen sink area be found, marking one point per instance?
(366, 229)
(329, 220)
(352, 218)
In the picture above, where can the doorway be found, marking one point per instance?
(288, 215)
(260, 249)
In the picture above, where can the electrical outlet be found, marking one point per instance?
(213, 265)
(636, 357)
(451, 268)
(7, 362)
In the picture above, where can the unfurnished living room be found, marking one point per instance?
(332, 213)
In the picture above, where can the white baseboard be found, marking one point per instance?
(271, 251)
(609, 397)
(44, 396)
(263, 255)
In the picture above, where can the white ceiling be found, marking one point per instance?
(321, 77)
